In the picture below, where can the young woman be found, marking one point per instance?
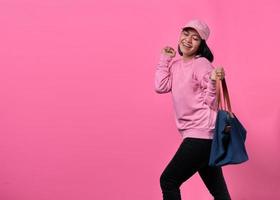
(191, 80)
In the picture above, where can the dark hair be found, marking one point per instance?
(203, 51)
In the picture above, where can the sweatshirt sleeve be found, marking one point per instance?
(207, 85)
(163, 75)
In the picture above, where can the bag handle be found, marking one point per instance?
(222, 96)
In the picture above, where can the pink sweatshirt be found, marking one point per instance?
(193, 94)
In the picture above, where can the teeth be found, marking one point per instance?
(186, 45)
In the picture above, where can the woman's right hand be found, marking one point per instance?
(169, 51)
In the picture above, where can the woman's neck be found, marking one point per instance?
(187, 58)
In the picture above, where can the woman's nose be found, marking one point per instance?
(188, 39)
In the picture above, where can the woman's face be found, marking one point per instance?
(189, 42)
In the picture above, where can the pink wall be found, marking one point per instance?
(79, 118)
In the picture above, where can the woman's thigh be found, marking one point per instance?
(188, 159)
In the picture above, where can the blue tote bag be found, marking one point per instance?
(228, 144)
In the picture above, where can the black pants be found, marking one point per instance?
(192, 156)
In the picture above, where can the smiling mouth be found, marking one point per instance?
(186, 45)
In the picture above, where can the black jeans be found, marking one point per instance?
(192, 156)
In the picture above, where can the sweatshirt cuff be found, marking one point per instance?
(212, 85)
(165, 58)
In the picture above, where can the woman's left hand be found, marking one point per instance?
(219, 73)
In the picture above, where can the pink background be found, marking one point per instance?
(79, 116)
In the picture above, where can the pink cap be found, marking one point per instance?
(200, 26)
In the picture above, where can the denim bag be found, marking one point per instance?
(228, 144)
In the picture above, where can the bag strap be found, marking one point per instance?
(222, 95)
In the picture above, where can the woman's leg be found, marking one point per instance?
(189, 157)
(213, 179)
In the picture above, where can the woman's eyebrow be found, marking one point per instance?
(194, 34)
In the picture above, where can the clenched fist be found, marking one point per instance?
(169, 51)
(218, 73)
